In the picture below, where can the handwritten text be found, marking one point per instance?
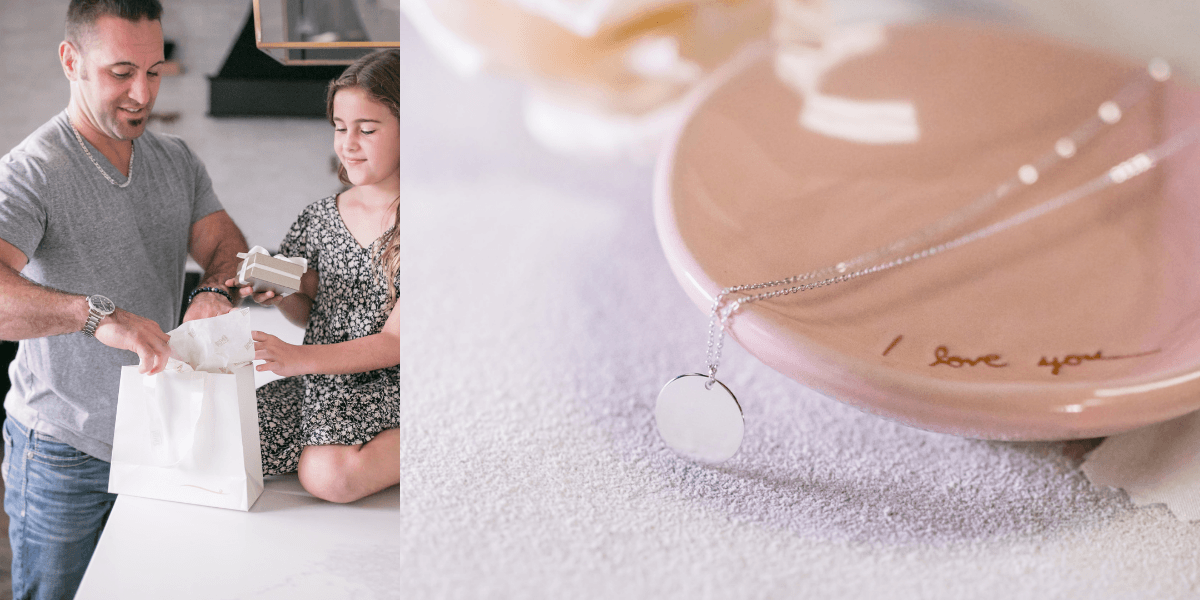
(1073, 360)
(942, 356)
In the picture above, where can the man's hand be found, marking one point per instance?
(205, 305)
(127, 331)
(282, 358)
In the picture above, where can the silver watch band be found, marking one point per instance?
(98, 308)
(93, 321)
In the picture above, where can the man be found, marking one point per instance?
(97, 217)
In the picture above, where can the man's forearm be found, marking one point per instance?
(215, 244)
(29, 310)
(220, 269)
(223, 263)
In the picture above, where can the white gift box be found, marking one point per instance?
(279, 273)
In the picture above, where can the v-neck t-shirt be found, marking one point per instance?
(84, 235)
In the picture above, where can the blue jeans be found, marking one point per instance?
(57, 502)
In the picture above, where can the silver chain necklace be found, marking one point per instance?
(699, 417)
(132, 150)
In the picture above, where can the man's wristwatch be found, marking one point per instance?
(98, 308)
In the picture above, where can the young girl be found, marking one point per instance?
(334, 416)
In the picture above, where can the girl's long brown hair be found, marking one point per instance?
(378, 74)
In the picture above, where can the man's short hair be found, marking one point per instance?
(82, 14)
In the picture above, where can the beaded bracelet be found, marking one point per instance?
(214, 290)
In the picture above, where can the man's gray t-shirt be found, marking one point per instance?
(84, 235)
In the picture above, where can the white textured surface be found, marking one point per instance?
(1159, 463)
(540, 322)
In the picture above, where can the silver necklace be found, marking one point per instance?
(699, 417)
(132, 150)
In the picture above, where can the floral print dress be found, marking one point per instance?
(351, 302)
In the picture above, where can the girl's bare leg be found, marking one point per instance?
(346, 473)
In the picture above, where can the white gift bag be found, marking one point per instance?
(191, 436)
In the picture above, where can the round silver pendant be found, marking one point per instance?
(699, 423)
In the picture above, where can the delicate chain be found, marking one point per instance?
(101, 169)
(1109, 113)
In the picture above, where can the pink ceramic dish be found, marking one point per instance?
(1090, 315)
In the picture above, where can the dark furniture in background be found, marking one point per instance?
(8, 351)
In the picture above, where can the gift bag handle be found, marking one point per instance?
(170, 445)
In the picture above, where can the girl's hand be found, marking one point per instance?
(282, 358)
(267, 298)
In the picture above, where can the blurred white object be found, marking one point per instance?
(606, 77)
(802, 66)
(586, 17)
(1155, 464)
(577, 128)
(658, 57)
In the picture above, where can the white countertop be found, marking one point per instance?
(289, 546)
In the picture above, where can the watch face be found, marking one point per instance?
(102, 304)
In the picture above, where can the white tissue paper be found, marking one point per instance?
(1155, 464)
(214, 345)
